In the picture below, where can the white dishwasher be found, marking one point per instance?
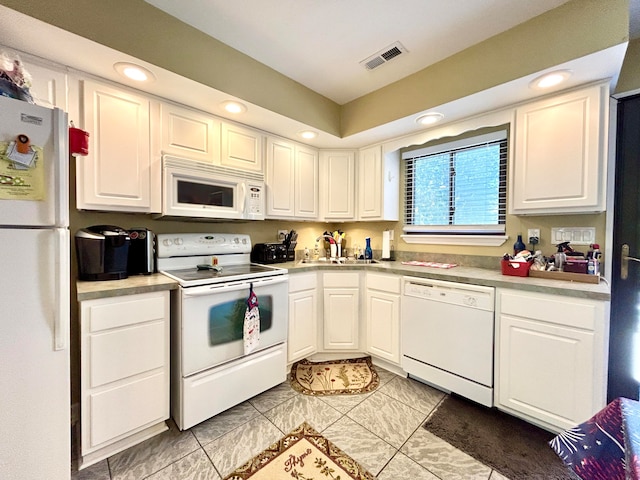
(447, 336)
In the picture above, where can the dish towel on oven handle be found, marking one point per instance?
(251, 329)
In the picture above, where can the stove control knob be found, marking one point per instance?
(236, 240)
(178, 241)
(244, 241)
(167, 242)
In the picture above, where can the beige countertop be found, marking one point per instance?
(128, 286)
(475, 276)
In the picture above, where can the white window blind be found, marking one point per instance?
(458, 187)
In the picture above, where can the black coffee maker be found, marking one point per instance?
(102, 252)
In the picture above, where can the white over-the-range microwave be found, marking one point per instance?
(201, 191)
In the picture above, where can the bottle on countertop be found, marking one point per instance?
(519, 246)
(368, 253)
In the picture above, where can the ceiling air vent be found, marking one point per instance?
(383, 56)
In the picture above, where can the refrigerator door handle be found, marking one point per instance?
(62, 312)
(61, 148)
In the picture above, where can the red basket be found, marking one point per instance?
(515, 269)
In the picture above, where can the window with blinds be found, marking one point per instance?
(458, 187)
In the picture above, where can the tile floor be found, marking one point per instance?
(381, 430)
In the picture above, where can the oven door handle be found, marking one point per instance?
(233, 286)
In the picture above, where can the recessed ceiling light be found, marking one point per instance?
(234, 107)
(429, 118)
(134, 72)
(550, 79)
(308, 134)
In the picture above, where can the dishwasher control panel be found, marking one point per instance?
(472, 296)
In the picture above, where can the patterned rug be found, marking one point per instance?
(303, 454)
(352, 376)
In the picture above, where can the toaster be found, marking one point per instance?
(269, 253)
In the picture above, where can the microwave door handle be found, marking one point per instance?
(243, 185)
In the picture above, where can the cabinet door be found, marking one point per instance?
(280, 179)
(559, 162)
(341, 318)
(116, 174)
(48, 86)
(306, 183)
(370, 183)
(303, 324)
(241, 148)
(189, 134)
(383, 325)
(551, 357)
(338, 185)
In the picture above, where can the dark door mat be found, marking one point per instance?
(516, 449)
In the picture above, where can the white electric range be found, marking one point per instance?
(209, 370)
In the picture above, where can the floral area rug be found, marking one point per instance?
(303, 454)
(352, 376)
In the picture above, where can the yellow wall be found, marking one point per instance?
(570, 31)
(629, 80)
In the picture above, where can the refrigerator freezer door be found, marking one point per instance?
(35, 397)
(44, 128)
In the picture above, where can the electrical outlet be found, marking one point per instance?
(282, 234)
(533, 233)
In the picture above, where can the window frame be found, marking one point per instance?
(487, 235)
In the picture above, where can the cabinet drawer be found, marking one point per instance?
(342, 279)
(567, 311)
(386, 283)
(298, 282)
(121, 410)
(122, 353)
(104, 314)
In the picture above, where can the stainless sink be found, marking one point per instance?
(348, 261)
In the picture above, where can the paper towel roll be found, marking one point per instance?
(386, 244)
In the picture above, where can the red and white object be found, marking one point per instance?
(34, 294)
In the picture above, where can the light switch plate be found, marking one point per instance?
(574, 235)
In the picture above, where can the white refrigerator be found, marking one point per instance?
(34, 293)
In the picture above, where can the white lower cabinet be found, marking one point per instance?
(551, 353)
(124, 372)
(383, 316)
(302, 340)
(341, 313)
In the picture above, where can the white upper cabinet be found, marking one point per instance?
(280, 178)
(337, 185)
(559, 161)
(48, 86)
(118, 171)
(242, 148)
(307, 183)
(378, 185)
(292, 180)
(189, 134)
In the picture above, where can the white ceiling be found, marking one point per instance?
(320, 43)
